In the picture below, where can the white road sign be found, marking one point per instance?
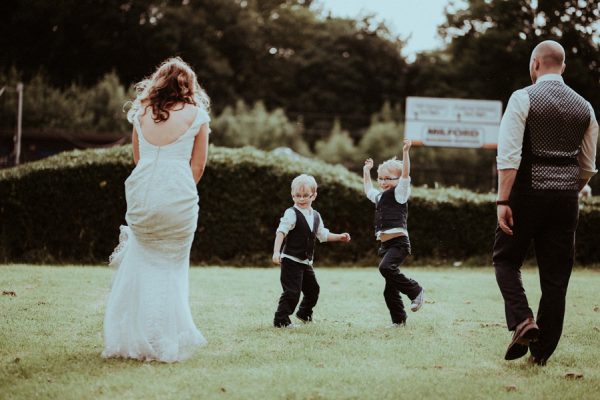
(433, 121)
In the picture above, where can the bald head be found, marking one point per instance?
(550, 54)
(548, 57)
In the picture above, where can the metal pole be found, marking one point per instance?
(19, 124)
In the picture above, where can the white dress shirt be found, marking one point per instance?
(401, 194)
(512, 130)
(288, 222)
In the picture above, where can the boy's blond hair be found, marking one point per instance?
(304, 181)
(393, 164)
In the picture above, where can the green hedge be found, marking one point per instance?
(68, 208)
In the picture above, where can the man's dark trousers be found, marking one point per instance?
(296, 278)
(392, 253)
(550, 223)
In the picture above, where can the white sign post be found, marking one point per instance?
(432, 121)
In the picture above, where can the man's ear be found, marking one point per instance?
(562, 70)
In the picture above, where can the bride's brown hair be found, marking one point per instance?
(174, 82)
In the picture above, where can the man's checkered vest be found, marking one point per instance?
(558, 118)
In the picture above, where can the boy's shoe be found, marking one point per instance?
(537, 360)
(417, 302)
(396, 325)
(282, 324)
(305, 320)
(288, 326)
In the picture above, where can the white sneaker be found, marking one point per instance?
(417, 302)
(305, 321)
(396, 325)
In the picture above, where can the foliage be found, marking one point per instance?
(84, 190)
(98, 108)
(257, 127)
(338, 148)
(283, 52)
(490, 42)
(68, 208)
(382, 141)
(288, 55)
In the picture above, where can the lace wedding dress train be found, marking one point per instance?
(148, 316)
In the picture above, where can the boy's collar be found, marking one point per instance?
(309, 209)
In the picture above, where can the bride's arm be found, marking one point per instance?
(136, 146)
(199, 153)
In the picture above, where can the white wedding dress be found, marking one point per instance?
(148, 315)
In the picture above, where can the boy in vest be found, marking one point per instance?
(300, 226)
(391, 212)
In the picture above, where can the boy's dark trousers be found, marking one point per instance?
(295, 278)
(550, 223)
(392, 253)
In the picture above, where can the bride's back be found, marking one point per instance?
(162, 133)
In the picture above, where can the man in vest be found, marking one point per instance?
(546, 155)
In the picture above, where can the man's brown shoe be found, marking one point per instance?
(525, 333)
(536, 360)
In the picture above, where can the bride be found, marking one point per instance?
(148, 315)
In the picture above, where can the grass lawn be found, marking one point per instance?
(50, 340)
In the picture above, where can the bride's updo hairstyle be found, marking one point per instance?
(173, 82)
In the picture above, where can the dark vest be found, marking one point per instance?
(389, 213)
(557, 120)
(300, 241)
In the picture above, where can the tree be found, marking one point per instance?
(338, 148)
(283, 52)
(490, 42)
(73, 110)
(257, 127)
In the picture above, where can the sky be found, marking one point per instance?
(418, 18)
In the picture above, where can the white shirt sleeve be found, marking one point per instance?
(587, 155)
(372, 195)
(512, 130)
(322, 232)
(402, 190)
(287, 222)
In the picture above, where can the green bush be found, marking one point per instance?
(73, 109)
(257, 127)
(382, 141)
(68, 208)
(337, 148)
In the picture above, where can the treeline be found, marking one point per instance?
(282, 52)
(283, 72)
(100, 108)
(76, 108)
(290, 54)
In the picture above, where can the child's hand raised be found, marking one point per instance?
(368, 165)
(344, 237)
(407, 144)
